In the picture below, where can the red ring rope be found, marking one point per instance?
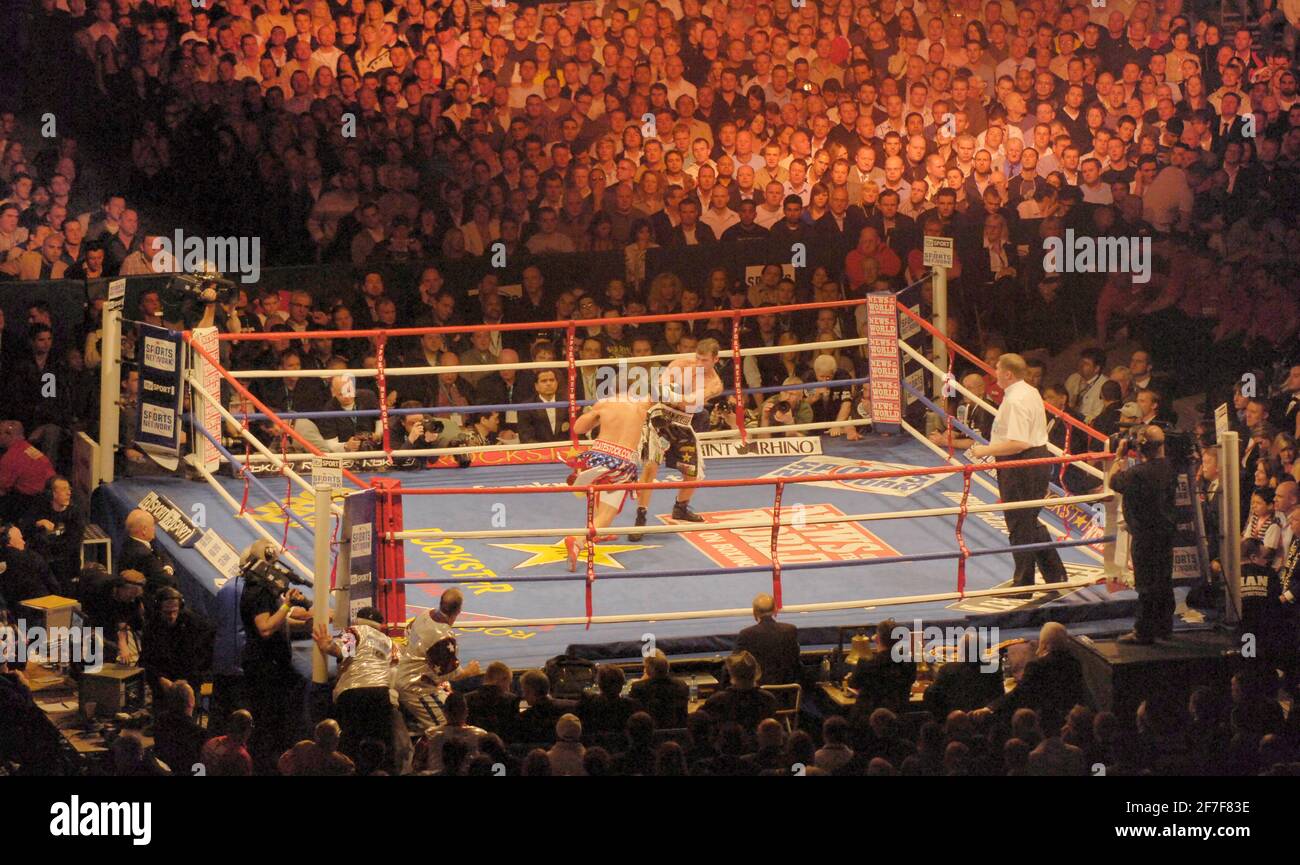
(736, 362)
(243, 470)
(591, 550)
(961, 538)
(569, 341)
(776, 534)
(382, 384)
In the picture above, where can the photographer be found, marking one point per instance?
(786, 408)
(1148, 490)
(267, 607)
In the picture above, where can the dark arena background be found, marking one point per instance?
(904, 388)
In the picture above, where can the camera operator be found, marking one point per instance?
(786, 408)
(274, 689)
(1148, 490)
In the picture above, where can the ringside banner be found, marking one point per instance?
(158, 415)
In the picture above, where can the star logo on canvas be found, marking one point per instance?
(545, 554)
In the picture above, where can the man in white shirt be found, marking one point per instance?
(1084, 386)
(1020, 433)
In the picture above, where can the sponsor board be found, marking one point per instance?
(171, 519)
(799, 543)
(882, 358)
(780, 447)
(534, 456)
(218, 553)
(159, 413)
(902, 486)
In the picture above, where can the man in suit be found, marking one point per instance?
(494, 707)
(839, 227)
(897, 230)
(661, 695)
(505, 387)
(1052, 683)
(544, 424)
(537, 722)
(291, 393)
(774, 644)
(140, 552)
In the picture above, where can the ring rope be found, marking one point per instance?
(984, 367)
(980, 401)
(367, 372)
(264, 453)
(243, 470)
(382, 382)
(680, 528)
(961, 537)
(736, 376)
(775, 556)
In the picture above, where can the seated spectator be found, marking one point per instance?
(1052, 683)
(658, 693)
(55, 528)
(176, 645)
(881, 681)
(132, 760)
(225, 756)
(567, 754)
(318, 755)
(25, 575)
(606, 712)
(670, 759)
(742, 702)
(966, 683)
(24, 471)
(178, 738)
(493, 706)
(774, 645)
(770, 756)
(536, 723)
(639, 756)
(429, 751)
(836, 751)
(141, 552)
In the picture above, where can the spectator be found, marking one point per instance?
(317, 756)
(177, 644)
(492, 706)
(431, 752)
(774, 645)
(742, 702)
(607, 711)
(567, 754)
(24, 471)
(1052, 683)
(178, 738)
(55, 528)
(659, 694)
(141, 551)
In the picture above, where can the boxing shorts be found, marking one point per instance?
(670, 441)
(605, 463)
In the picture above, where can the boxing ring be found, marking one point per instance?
(839, 532)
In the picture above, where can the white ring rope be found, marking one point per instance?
(988, 407)
(269, 455)
(978, 477)
(786, 520)
(827, 607)
(398, 371)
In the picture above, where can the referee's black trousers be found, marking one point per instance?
(1024, 484)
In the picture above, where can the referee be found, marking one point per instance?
(1020, 433)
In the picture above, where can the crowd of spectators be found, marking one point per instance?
(364, 134)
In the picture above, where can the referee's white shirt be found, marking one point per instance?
(1021, 417)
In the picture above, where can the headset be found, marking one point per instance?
(167, 593)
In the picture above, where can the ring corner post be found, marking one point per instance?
(320, 578)
(1230, 521)
(390, 566)
(110, 378)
